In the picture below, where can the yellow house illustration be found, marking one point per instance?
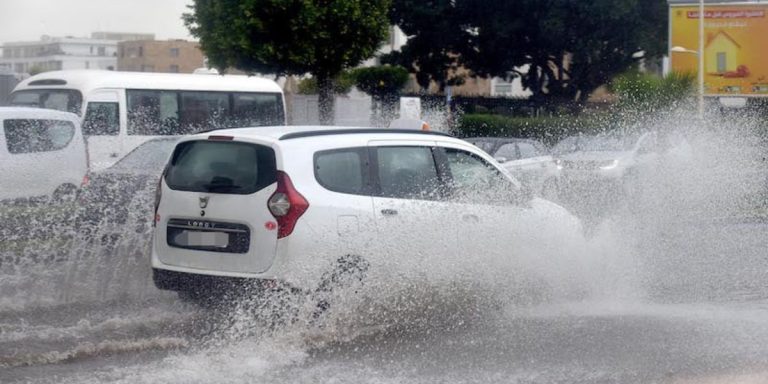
(721, 54)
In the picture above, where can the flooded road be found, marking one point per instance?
(672, 288)
(702, 312)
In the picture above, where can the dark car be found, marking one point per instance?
(123, 193)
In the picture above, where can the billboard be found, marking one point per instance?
(735, 41)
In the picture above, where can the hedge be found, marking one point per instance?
(547, 129)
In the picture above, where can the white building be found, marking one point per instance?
(58, 53)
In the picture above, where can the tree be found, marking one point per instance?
(435, 31)
(383, 83)
(569, 47)
(342, 84)
(290, 37)
(561, 49)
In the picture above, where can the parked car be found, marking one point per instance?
(43, 154)
(528, 160)
(112, 194)
(617, 158)
(295, 205)
(611, 157)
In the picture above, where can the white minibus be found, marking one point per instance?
(121, 110)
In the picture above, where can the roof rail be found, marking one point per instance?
(298, 135)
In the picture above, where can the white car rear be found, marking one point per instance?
(43, 154)
(288, 204)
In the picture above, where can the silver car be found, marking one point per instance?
(528, 160)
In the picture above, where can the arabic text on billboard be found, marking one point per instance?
(735, 36)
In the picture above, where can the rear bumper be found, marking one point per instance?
(192, 282)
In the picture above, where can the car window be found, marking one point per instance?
(475, 180)
(37, 135)
(342, 170)
(507, 151)
(527, 150)
(407, 172)
(101, 119)
(221, 167)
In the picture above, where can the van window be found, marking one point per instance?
(152, 113)
(221, 167)
(155, 112)
(203, 110)
(101, 118)
(35, 135)
(256, 109)
(407, 172)
(342, 170)
(67, 100)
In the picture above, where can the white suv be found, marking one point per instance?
(292, 205)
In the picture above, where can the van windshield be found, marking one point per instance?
(67, 100)
(221, 167)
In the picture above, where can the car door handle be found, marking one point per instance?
(389, 212)
(470, 218)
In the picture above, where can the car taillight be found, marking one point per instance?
(286, 205)
(158, 195)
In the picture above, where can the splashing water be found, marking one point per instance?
(70, 294)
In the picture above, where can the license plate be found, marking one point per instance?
(203, 239)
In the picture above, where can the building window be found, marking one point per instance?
(147, 68)
(174, 52)
(91, 49)
(102, 51)
(141, 51)
(174, 68)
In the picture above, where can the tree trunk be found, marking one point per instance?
(325, 98)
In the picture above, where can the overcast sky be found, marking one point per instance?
(27, 20)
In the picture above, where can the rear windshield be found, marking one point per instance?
(221, 167)
(37, 135)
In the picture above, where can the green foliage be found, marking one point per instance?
(570, 47)
(382, 80)
(290, 37)
(642, 93)
(36, 69)
(342, 84)
(547, 129)
(436, 32)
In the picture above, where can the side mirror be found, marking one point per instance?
(501, 159)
